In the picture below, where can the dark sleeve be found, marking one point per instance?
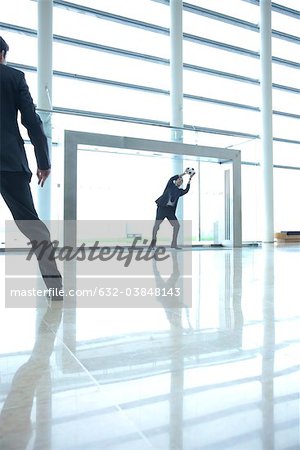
(186, 190)
(34, 126)
(170, 182)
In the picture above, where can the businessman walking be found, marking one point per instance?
(15, 174)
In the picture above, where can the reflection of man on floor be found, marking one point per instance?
(173, 302)
(15, 418)
(167, 204)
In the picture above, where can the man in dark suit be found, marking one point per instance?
(15, 174)
(167, 204)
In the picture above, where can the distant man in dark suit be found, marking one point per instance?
(167, 204)
(15, 175)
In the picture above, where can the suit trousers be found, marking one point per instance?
(165, 212)
(16, 192)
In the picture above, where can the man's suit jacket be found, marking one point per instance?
(15, 97)
(172, 192)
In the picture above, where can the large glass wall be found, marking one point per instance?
(111, 61)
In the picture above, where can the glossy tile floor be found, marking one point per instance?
(223, 374)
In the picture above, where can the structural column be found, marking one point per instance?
(266, 120)
(176, 85)
(176, 68)
(44, 101)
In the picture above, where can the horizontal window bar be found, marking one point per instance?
(278, 8)
(189, 37)
(149, 58)
(234, 20)
(141, 121)
(162, 30)
(275, 7)
(276, 166)
(151, 89)
(110, 16)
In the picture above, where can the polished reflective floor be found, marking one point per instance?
(223, 373)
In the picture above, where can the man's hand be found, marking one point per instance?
(42, 176)
(184, 173)
(191, 176)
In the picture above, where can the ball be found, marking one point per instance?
(190, 170)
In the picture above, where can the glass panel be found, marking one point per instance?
(286, 200)
(124, 184)
(120, 185)
(22, 48)
(22, 13)
(286, 154)
(220, 31)
(251, 204)
(191, 202)
(250, 151)
(285, 49)
(138, 9)
(110, 99)
(114, 127)
(293, 4)
(214, 140)
(217, 116)
(109, 33)
(109, 66)
(222, 60)
(234, 8)
(285, 101)
(221, 88)
(286, 188)
(287, 24)
(211, 201)
(286, 76)
(286, 128)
